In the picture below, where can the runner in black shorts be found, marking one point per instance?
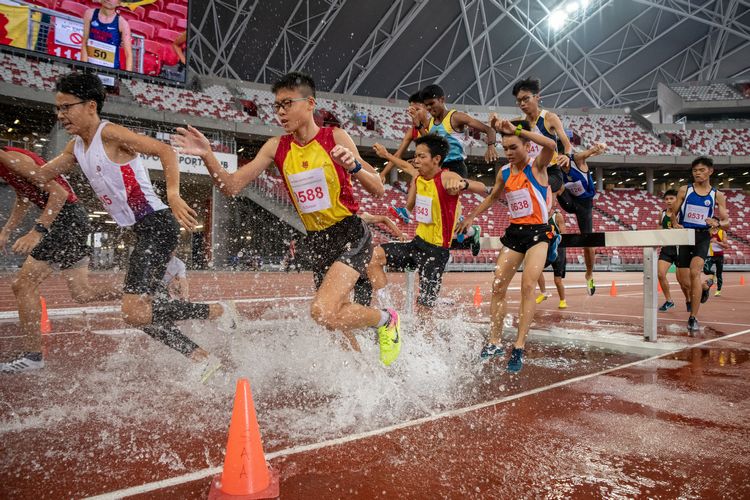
(701, 207)
(58, 240)
(108, 155)
(433, 199)
(668, 255)
(559, 265)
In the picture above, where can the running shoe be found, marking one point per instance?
(590, 287)
(491, 350)
(563, 304)
(27, 362)
(206, 368)
(389, 337)
(706, 292)
(515, 363)
(230, 318)
(404, 214)
(693, 326)
(476, 240)
(542, 297)
(666, 306)
(718, 293)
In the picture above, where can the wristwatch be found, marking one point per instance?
(357, 168)
(466, 185)
(39, 228)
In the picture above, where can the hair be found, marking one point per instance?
(295, 81)
(533, 85)
(432, 92)
(416, 97)
(669, 192)
(437, 144)
(85, 86)
(703, 160)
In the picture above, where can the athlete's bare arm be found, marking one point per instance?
(402, 148)
(57, 196)
(62, 163)
(454, 184)
(722, 221)
(558, 129)
(87, 17)
(486, 203)
(17, 214)
(192, 142)
(560, 221)
(126, 43)
(131, 144)
(395, 160)
(462, 120)
(411, 196)
(345, 153)
(382, 219)
(681, 193)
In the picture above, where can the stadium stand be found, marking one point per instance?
(709, 92)
(721, 141)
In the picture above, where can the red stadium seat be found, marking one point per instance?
(168, 55)
(167, 36)
(139, 13)
(160, 19)
(142, 28)
(181, 24)
(73, 8)
(179, 10)
(129, 16)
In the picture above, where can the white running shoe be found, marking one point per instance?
(22, 364)
(229, 321)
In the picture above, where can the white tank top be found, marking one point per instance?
(125, 190)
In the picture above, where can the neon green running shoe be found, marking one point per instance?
(591, 288)
(389, 336)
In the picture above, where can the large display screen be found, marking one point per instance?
(145, 37)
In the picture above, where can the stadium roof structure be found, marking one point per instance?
(589, 53)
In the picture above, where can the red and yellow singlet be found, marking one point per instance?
(435, 211)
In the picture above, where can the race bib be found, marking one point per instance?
(696, 214)
(423, 209)
(576, 188)
(519, 203)
(101, 53)
(310, 190)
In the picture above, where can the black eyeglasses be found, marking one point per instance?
(525, 99)
(64, 108)
(286, 104)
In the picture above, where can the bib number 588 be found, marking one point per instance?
(310, 194)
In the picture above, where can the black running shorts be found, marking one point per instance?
(348, 241)
(685, 253)
(65, 244)
(157, 235)
(582, 208)
(668, 254)
(521, 237)
(418, 255)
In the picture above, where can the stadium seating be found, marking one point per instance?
(160, 19)
(73, 8)
(621, 134)
(141, 28)
(708, 92)
(18, 71)
(725, 142)
(215, 101)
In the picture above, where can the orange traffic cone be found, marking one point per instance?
(742, 280)
(246, 473)
(613, 290)
(44, 324)
(477, 298)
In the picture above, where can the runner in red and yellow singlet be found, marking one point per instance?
(318, 165)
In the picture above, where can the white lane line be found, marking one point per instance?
(76, 311)
(203, 473)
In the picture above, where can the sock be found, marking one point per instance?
(470, 231)
(385, 317)
(33, 356)
(168, 310)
